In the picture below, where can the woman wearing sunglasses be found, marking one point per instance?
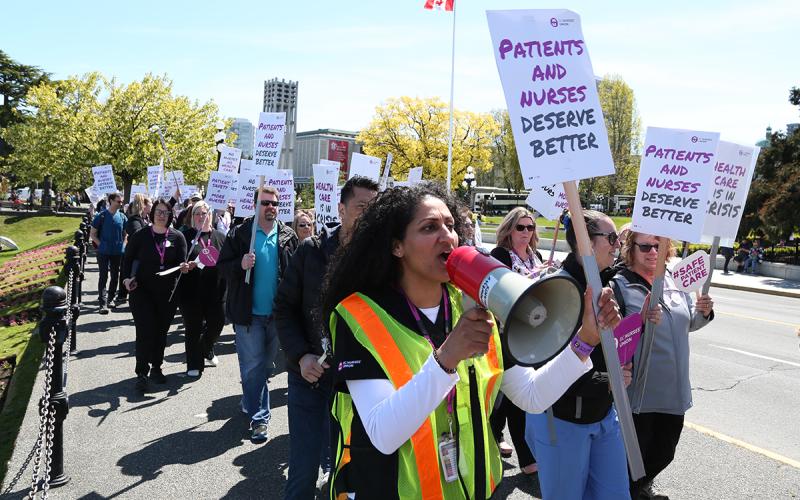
(202, 290)
(516, 248)
(660, 393)
(150, 251)
(303, 224)
(577, 442)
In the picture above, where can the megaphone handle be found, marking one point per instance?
(618, 391)
(468, 303)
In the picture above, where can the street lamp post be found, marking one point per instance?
(469, 179)
(219, 138)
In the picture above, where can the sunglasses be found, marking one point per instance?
(646, 247)
(266, 203)
(522, 227)
(611, 236)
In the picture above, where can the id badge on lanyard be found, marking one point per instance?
(448, 449)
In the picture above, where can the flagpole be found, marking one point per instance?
(452, 82)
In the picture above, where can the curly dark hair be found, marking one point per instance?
(366, 264)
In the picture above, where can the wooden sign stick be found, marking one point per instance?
(656, 291)
(714, 250)
(618, 390)
(255, 226)
(555, 239)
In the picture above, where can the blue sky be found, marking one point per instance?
(712, 65)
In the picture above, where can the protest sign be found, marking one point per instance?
(219, 190)
(330, 162)
(365, 166)
(94, 196)
(174, 179)
(326, 203)
(733, 172)
(137, 188)
(414, 176)
(551, 95)
(626, 337)
(246, 187)
(550, 201)
(268, 143)
(154, 175)
(229, 160)
(284, 183)
(189, 189)
(104, 182)
(692, 272)
(674, 183)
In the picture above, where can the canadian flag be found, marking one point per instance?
(439, 4)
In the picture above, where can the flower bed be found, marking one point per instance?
(23, 280)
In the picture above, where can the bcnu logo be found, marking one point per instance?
(554, 22)
(694, 138)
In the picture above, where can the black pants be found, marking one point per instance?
(108, 264)
(152, 316)
(203, 324)
(658, 435)
(516, 428)
(727, 261)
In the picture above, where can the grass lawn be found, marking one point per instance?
(31, 231)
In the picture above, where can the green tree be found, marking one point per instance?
(624, 134)
(16, 80)
(415, 132)
(774, 198)
(77, 123)
(504, 156)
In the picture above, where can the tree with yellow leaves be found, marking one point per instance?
(415, 132)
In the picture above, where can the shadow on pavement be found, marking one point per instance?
(791, 285)
(189, 446)
(263, 470)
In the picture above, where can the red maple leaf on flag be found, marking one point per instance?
(439, 4)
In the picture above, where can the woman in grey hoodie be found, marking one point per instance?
(660, 393)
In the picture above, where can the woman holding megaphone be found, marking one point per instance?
(417, 377)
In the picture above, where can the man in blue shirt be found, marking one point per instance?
(108, 236)
(249, 306)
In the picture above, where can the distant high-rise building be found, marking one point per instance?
(323, 144)
(245, 133)
(281, 96)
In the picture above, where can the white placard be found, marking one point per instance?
(154, 178)
(365, 166)
(284, 183)
(268, 143)
(330, 162)
(219, 189)
(733, 172)
(229, 160)
(674, 183)
(414, 176)
(692, 272)
(137, 188)
(174, 178)
(90, 192)
(551, 95)
(189, 189)
(550, 201)
(326, 201)
(246, 187)
(247, 167)
(104, 182)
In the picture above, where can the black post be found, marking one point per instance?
(54, 322)
(73, 266)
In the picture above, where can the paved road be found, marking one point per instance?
(188, 439)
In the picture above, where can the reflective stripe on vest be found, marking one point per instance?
(423, 441)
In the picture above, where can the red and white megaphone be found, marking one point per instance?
(538, 318)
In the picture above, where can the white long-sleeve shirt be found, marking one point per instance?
(390, 417)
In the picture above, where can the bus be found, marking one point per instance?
(496, 201)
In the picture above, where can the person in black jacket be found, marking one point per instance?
(249, 305)
(300, 328)
(201, 293)
(581, 429)
(138, 217)
(147, 253)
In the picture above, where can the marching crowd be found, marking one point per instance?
(395, 390)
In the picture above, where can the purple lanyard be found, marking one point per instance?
(161, 249)
(415, 312)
